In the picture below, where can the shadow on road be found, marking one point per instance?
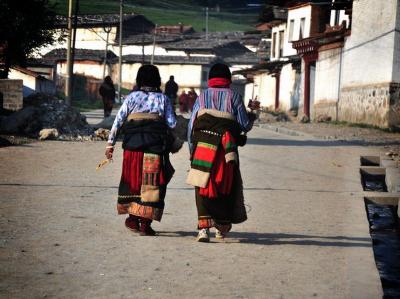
(315, 143)
(282, 239)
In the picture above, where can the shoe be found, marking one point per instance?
(222, 230)
(145, 228)
(132, 223)
(204, 235)
(219, 235)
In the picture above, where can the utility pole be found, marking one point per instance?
(69, 60)
(107, 30)
(207, 23)
(154, 44)
(121, 3)
(73, 43)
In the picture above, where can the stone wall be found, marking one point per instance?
(375, 104)
(12, 94)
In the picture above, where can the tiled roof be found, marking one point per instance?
(166, 59)
(80, 54)
(95, 20)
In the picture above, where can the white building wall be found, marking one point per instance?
(92, 38)
(89, 69)
(327, 78)
(396, 60)
(148, 50)
(277, 29)
(369, 51)
(264, 89)
(296, 15)
(288, 88)
(370, 90)
(28, 80)
(186, 76)
(248, 92)
(342, 17)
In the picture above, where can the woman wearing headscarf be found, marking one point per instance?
(219, 117)
(145, 118)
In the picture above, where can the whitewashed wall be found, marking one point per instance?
(89, 69)
(186, 76)
(369, 51)
(276, 30)
(371, 76)
(289, 88)
(396, 61)
(328, 76)
(28, 80)
(296, 14)
(264, 89)
(93, 38)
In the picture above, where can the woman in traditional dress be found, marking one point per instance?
(145, 118)
(219, 117)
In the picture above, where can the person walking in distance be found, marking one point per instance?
(171, 90)
(107, 92)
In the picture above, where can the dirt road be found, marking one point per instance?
(306, 237)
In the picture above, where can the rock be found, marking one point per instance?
(48, 134)
(323, 118)
(45, 111)
(17, 122)
(305, 119)
(102, 133)
(282, 117)
(4, 142)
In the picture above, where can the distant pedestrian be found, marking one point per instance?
(214, 132)
(171, 90)
(147, 117)
(107, 92)
(192, 99)
(183, 102)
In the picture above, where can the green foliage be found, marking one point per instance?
(171, 12)
(24, 27)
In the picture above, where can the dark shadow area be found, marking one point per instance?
(373, 182)
(282, 239)
(369, 161)
(315, 143)
(385, 233)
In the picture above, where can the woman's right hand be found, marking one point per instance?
(109, 151)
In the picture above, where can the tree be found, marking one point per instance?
(25, 26)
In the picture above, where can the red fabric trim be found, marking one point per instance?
(132, 166)
(219, 82)
(221, 177)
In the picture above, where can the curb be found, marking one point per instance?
(283, 131)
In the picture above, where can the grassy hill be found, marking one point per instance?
(170, 12)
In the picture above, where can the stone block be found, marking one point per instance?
(12, 94)
(393, 179)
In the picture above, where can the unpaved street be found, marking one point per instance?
(307, 234)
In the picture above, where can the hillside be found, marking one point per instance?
(233, 15)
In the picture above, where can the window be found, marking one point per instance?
(281, 40)
(274, 44)
(291, 29)
(302, 27)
